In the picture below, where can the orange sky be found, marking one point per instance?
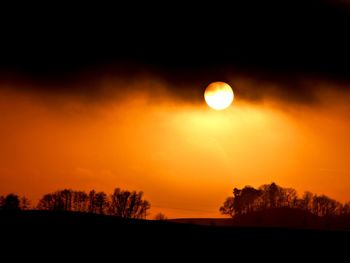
(185, 156)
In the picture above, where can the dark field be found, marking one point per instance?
(80, 234)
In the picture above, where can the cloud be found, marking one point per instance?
(113, 85)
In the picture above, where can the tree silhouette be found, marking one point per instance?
(128, 204)
(11, 202)
(80, 201)
(160, 216)
(143, 211)
(325, 206)
(66, 199)
(244, 201)
(24, 203)
(250, 198)
(228, 207)
(46, 202)
(306, 201)
(288, 197)
(101, 202)
(92, 194)
(273, 193)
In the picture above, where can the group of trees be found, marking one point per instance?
(120, 203)
(14, 202)
(126, 204)
(249, 199)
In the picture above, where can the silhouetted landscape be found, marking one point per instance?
(129, 132)
(268, 216)
(268, 206)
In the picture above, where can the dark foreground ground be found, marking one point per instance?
(59, 234)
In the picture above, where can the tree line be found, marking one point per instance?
(267, 196)
(121, 203)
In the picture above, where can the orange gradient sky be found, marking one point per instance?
(185, 156)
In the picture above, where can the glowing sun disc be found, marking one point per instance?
(218, 95)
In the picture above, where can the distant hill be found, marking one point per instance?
(278, 217)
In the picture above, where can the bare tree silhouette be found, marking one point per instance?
(80, 201)
(325, 206)
(160, 216)
(92, 206)
(24, 203)
(128, 204)
(101, 202)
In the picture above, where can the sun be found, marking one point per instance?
(218, 95)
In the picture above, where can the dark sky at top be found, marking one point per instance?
(272, 39)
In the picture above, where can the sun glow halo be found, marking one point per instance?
(218, 95)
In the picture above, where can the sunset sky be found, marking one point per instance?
(105, 114)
